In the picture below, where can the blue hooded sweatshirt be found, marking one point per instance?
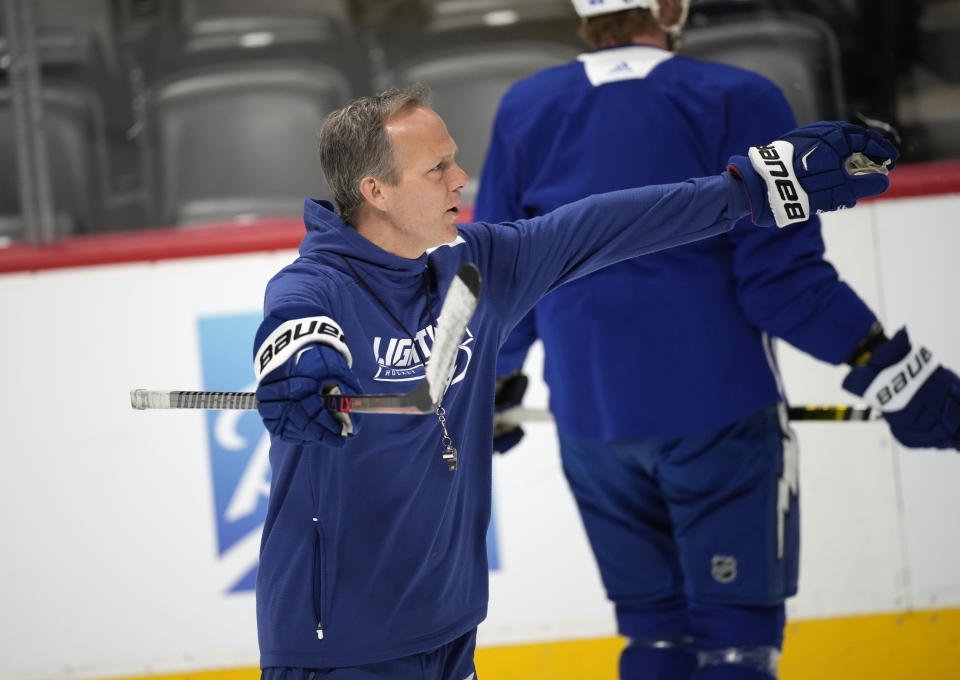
(375, 550)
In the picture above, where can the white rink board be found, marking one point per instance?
(110, 562)
(919, 246)
(109, 565)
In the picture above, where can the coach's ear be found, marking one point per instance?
(372, 190)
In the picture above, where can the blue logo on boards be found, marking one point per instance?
(239, 451)
(239, 448)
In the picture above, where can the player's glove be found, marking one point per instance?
(510, 391)
(814, 169)
(289, 397)
(919, 398)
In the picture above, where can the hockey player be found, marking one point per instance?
(673, 433)
(373, 557)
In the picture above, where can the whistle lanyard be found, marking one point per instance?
(448, 450)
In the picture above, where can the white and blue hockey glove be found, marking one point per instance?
(814, 169)
(299, 366)
(290, 398)
(919, 398)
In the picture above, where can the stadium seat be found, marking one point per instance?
(73, 124)
(73, 35)
(797, 52)
(225, 24)
(240, 138)
(214, 31)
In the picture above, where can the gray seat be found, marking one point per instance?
(467, 88)
(240, 139)
(76, 159)
(939, 27)
(227, 24)
(74, 34)
(796, 52)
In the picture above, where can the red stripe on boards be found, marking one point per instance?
(283, 233)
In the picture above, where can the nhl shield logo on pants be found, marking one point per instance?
(724, 568)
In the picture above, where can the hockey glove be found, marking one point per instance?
(814, 169)
(288, 397)
(510, 391)
(919, 398)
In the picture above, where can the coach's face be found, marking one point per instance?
(423, 205)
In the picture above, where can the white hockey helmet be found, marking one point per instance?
(592, 8)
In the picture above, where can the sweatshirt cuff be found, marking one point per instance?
(738, 203)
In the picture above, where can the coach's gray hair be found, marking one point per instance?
(354, 144)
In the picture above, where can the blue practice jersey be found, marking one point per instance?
(375, 550)
(674, 343)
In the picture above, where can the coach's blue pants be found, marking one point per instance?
(452, 661)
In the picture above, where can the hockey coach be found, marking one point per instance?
(373, 558)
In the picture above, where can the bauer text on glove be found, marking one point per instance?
(919, 398)
(296, 367)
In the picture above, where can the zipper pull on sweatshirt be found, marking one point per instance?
(319, 631)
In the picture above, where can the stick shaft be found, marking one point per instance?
(247, 401)
(804, 412)
(838, 412)
(390, 403)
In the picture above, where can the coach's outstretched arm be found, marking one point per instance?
(814, 169)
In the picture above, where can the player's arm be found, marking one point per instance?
(786, 288)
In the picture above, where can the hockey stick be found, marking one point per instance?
(455, 314)
(835, 413)
(832, 413)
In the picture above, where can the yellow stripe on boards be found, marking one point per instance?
(919, 646)
(580, 659)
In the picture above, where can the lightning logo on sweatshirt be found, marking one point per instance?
(399, 361)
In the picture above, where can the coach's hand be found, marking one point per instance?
(814, 169)
(919, 398)
(509, 393)
(289, 397)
